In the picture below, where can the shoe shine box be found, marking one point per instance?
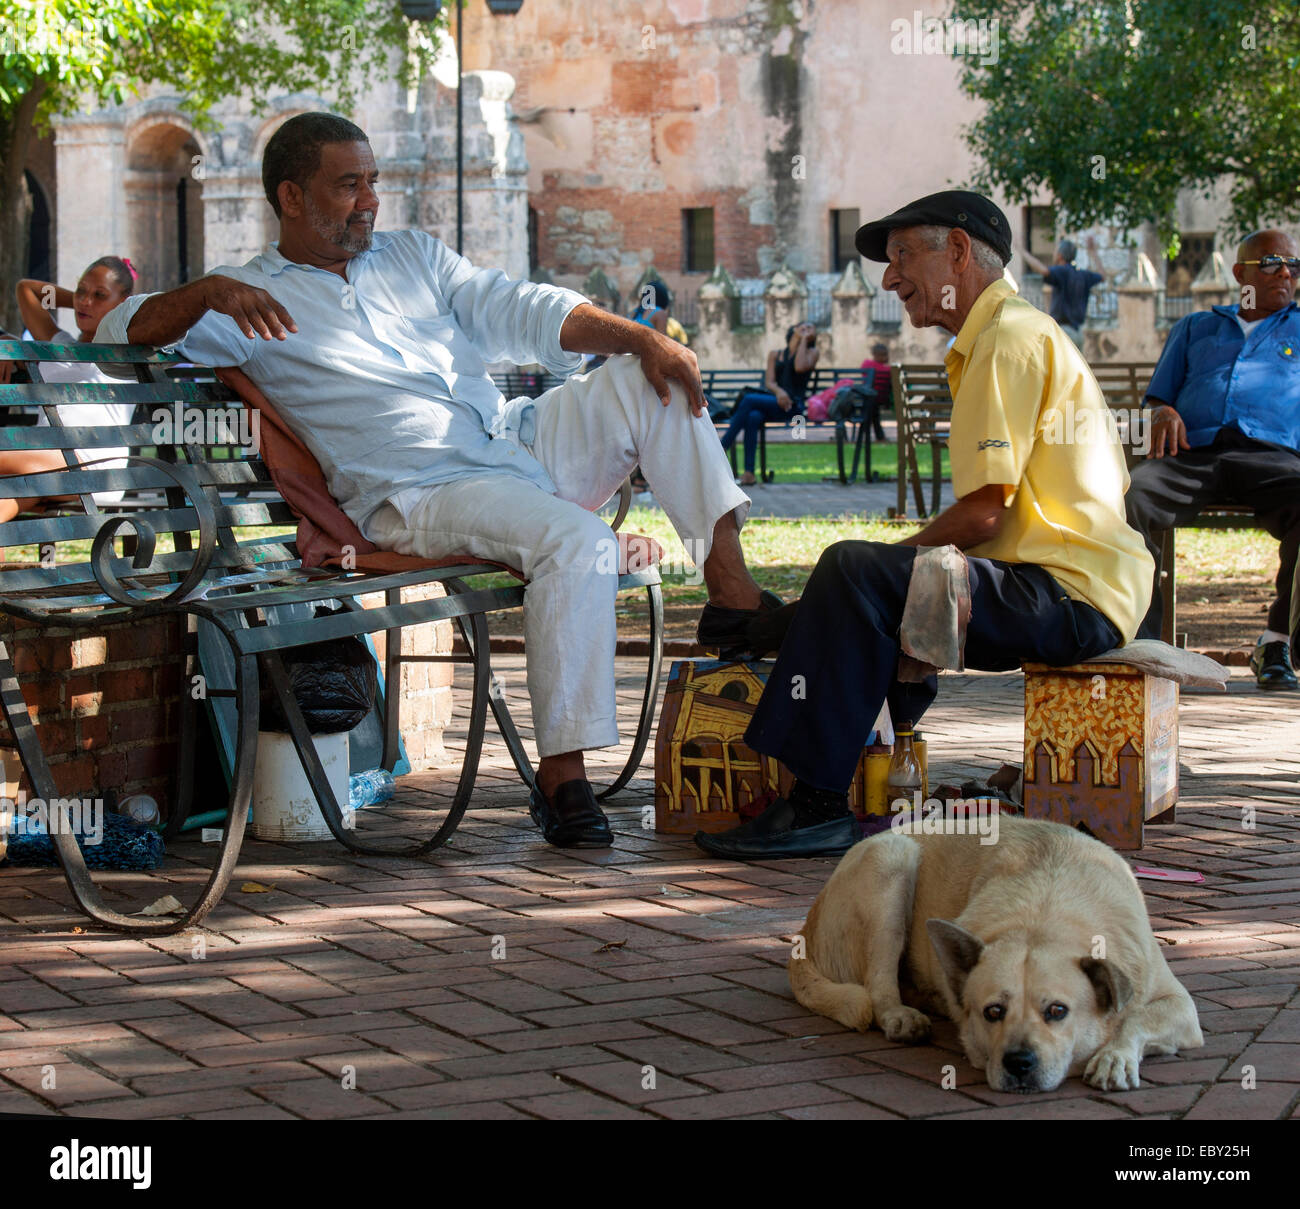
(1101, 749)
(706, 777)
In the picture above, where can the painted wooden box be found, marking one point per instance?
(1101, 749)
(705, 774)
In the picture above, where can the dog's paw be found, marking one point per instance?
(1112, 1070)
(905, 1024)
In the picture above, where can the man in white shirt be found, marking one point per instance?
(373, 348)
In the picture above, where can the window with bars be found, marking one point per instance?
(697, 240)
(844, 225)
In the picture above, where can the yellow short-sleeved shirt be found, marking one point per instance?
(1027, 413)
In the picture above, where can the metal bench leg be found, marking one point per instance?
(392, 686)
(902, 442)
(1168, 589)
(183, 797)
(764, 475)
(84, 891)
(650, 699)
(344, 830)
(914, 473)
(936, 475)
(841, 439)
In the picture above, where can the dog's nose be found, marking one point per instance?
(1019, 1062)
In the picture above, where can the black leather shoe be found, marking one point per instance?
(736, 634)
(573, 819)
(1271, 664)
(773, 836)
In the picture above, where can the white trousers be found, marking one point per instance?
(590, 432)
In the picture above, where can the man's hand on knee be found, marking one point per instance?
(1167, 432)
(664, 360)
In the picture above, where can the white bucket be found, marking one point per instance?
(284, 807)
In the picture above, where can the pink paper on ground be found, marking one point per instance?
(1168, 875)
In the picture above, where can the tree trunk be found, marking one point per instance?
(15, 204)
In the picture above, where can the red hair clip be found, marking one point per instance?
(127, 261)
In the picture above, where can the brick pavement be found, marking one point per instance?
(504, 979)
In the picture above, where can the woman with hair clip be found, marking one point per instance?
(101, 287)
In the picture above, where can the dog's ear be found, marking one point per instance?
(1112, 985)
(959, 952)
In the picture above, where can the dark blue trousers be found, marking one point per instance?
(839, 660)
(755, 409)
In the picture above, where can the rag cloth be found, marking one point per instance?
(1171, 662)
(933, 630)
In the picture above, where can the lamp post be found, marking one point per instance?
(427, 10)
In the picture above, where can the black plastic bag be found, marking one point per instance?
(334, 683)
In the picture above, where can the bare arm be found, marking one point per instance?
(1033, 264)
(805, 356)
(973, 519)
(588, 329)
(165, 318)
(1095, 261)
(769, 380)
(36, 315)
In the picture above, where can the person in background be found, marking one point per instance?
(652, 307)
(881, 383)
(786, 382)
(1225, 429)
(108, 281)
(1070, 286)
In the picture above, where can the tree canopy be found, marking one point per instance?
(1115, 105)
(62, 56)
(69, 52)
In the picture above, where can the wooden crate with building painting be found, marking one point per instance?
(1101, 748)
(705, 773)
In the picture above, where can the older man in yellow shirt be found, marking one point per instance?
(1056, 573)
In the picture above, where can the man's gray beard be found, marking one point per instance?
(339, 234)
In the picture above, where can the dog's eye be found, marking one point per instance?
(994, 1012)
(1056, 1011)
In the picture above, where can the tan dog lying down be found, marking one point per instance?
(1038, 947)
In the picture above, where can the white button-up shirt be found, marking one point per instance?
(385, 379)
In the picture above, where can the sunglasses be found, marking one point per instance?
(1271, 264)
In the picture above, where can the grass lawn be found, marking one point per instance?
(1224, 576)
(785, 550)
(811, 460)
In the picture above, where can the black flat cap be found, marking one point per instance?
(972, 212)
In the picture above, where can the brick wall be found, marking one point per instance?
(426, 687)
(106, 706)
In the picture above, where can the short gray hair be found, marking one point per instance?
(984, 255)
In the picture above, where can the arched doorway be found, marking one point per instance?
(165, 205)
(38, 236)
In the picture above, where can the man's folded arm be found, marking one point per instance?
(972, 520)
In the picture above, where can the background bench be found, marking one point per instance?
(237, 579)
(722, 386)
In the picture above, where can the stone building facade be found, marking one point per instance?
(143, 180)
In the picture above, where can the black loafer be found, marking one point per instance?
(773, 836)
(1271, 664)
(573, 819)
(738, 634)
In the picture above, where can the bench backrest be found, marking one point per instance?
(183, 484)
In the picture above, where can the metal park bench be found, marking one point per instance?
(723, 387)
(237, 576)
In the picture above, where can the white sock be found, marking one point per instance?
(1272, 636)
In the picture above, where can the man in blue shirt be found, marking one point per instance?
(374, 345)
(1070, 286)
(1226, 429)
